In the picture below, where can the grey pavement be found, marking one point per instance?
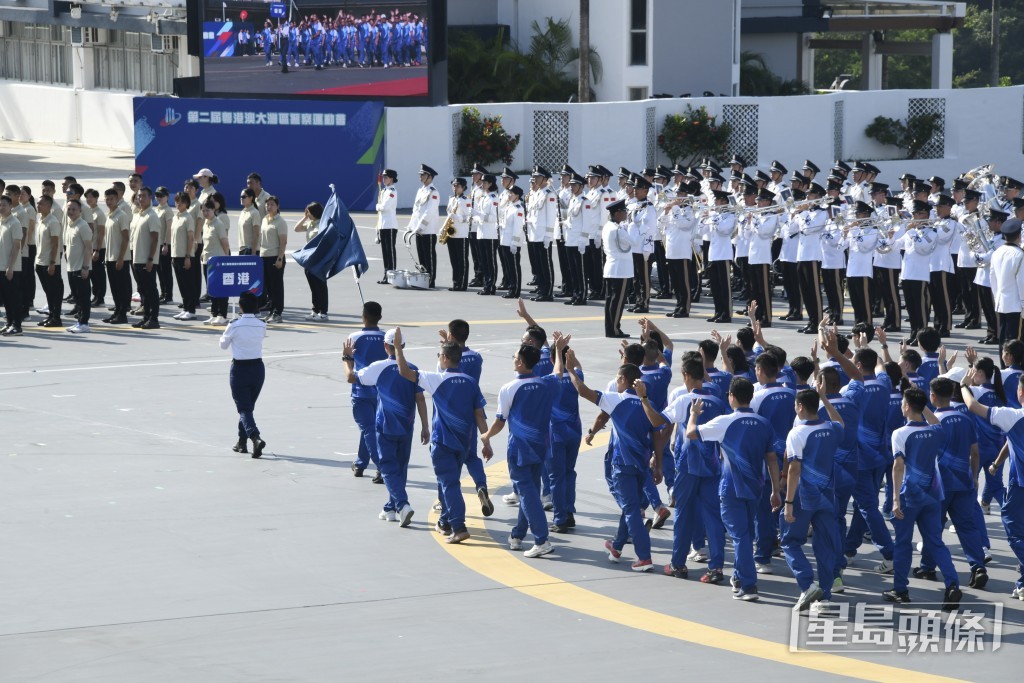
(138, 547)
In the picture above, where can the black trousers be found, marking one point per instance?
(11, 292)
(642, 280)
(186, 283)
(679, 270)
(889, 293)
(512, 268)
(761, 290)
(474, 251)
(563, 269)
(915, 293)
(969, 295)
(593, 266)
(721, 287)
(742, 272)
(941, 302)
(246, 382)
(166, 274)
(388, 249)
(664, 286)
(988, 306)
(197, 274)
(53, 289)
(860, 298)
(615, 299)
(540, 257)
(832, 278)
(574, 284)
(146, 282)
(487, 260)
(218, 304)
(1009, 327)
(120, 286)
(791, 283)
(28, 280)
(956, 294)
(317, 292)
(426, 254)
(810, 290)
(80, 291)
(274, 284)
(458, 255)
(98, 276)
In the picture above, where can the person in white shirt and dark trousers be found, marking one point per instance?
(244, 336)
(1007, 277)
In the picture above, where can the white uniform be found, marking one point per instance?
(761, 237)
(862, 243)
(918, 245)
(485, 215)
(719, 229)
(643, 217)
(1007, 278)
(425, 218)
(680, 226)
(541, 216)
(833, 248)
(812, 225)
(574, 229)
(460, 209)
(946, 230)
(620, 240)
(513, 220)
(387, 205)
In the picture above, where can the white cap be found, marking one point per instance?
(203, 173)
(956, 374)
(389, 338)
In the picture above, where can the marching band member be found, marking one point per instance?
(593, 214)
(424, 220)
(887, 263)
(833, 267)
(475, 190)
(541, 217)
(719, 226)
(942, 263)
(808, 255)
(680, 226)
(513, 238)
(918, 244)
(763, 231)
(861, 241)
(485, 225)
(387, 221)
(563, 194)
(460, 211)
(619, 238)
(982, 280)
(642, 215)
(576, 237)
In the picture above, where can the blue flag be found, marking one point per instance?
(336, 245)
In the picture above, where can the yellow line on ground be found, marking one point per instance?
(494, 561)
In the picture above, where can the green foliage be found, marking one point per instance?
(482, 139)
(756, 79)
(692, 135)
(910, 136)
(496, 71)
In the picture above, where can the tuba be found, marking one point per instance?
(447, 230)
(976, 240)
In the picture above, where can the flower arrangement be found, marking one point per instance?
(483, 140)
(692, 135)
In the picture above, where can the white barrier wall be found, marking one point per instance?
(983, 125)
(41, 113)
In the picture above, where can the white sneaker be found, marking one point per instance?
(952, 528)
(187, 316)
(220, 320)
(884, 567)
(511, 498)
(515, 543)
(79, 328)
(920, 546)
(45, 310)
(210, 320)
(313, 316)
(548, 503)
(405, 516)
(824, 608)
(1018, 593)
(178, 316)
(539, 549)
(811, 595)
(388, 516)
(698, 555)
(763, 568)
(322, 316)
(838, 586)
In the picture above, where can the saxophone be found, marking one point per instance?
(447, 230)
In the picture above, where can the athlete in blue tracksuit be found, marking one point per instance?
(1011, 422)
(458, 410)
(988, 390)
(773, 402)
(367, 347)
(307, 44)
(745, 439)
(916, 448)
(1013, 359)
(631, 459)
(958, 468)
(697, 473)
(384, 43)
(566, 432)
(268, 41)
(317, 44)
(657, 375)
(525, 404)
(398, 400)
(810, 502)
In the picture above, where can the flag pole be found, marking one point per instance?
(355, 274)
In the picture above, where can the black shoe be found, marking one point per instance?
(12, 332)
(241, 446)
(117, 320)
(951, 598)
(961, 325)
(53, 322)
(150, 325)
(378, 478)
(892, 328)
(741, 313)
(357, 470)
(476, 282)
(579, 302)
(107, 319)
(617, 335)
(900, 597)
(258, 445)
(990, 340)
(943, 332)
(205, 299)
(486, 506)
(714, 319)
(928, 574)
(959, 310)
(678, 572)
(509, 295)
(973, 326)
(558, 528)
(664, 295)
(570, 521)
(639, 309)
(139, 324)
(542, 299)
(382, 281)
(73, 312)
(979, 578)
(531, 283)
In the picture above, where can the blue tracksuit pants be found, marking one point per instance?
(959, 507)
(526, 479)
(927, 517)
(697, 507)
(738, 516)
(364, 412)
(447, 464)
(394, 467)
(826, 545)
(628, 482)
(563, 478)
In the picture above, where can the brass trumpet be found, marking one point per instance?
(447, 231)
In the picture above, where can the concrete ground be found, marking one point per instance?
(139, 547)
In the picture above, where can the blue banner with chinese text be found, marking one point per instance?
(298, 146)
(228, 276)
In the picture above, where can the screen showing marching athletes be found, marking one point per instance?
(327, 48)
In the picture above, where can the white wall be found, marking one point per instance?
(790, 129)
(41, 113)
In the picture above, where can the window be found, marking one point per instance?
(637, 94)
(128, 62)
(638, 32)
(37, 53)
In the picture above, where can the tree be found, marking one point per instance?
(757, 79)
